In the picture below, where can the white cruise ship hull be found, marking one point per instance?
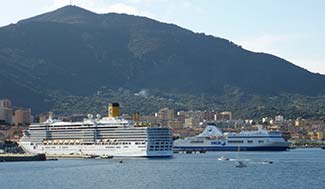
(132, 150)
(100, 137)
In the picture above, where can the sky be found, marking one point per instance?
(291, 29)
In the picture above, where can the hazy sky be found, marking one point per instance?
(291, 29)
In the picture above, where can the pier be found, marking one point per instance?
(22, 157)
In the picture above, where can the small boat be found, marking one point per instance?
(106, 157)
(240, 164)
(121, 161)
(323, 147)
(91, 157)
(223, 158)
(267, 162)
(52, 159)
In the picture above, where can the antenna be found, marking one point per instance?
(71, 2)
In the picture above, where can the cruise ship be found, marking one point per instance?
(107, 136)
(213, 139)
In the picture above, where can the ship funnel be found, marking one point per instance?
(113, 110)
(211, 131)
(136, 116)
(50, 115)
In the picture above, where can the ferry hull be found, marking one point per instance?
(231, 148)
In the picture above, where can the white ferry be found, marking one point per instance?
(212, 139)
(108, 136)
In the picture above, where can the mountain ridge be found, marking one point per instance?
(67, 14)
(77, 51)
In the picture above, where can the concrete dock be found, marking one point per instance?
(22, 157)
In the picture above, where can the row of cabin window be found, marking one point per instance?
(241, 141)
(162, 142)
(160, 146)
(159, 149)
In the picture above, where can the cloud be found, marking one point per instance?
(312, 64)
(146, 1)
(139, 1)
(287, 46)
(82, 3)
(119, 8)
(60, 3)
(123, 8)
(100, 6)
(187, 4)
(268, 42)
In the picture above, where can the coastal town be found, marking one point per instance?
(300, 132)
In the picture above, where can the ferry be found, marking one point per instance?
(213, 139)
(104, 137)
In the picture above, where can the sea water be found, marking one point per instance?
(299, 168)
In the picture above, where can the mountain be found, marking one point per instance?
(74, 51)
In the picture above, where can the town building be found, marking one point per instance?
(279, 119)
(6, 115)
(224, 116)
(175, 124)
(23, 116)
(191, 123)
(165, 114)
(5, 103)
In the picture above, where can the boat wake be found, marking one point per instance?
(247, 161)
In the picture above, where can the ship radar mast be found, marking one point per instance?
(90, 116)
(50, 115)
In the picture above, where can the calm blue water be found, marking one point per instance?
(300, 168)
